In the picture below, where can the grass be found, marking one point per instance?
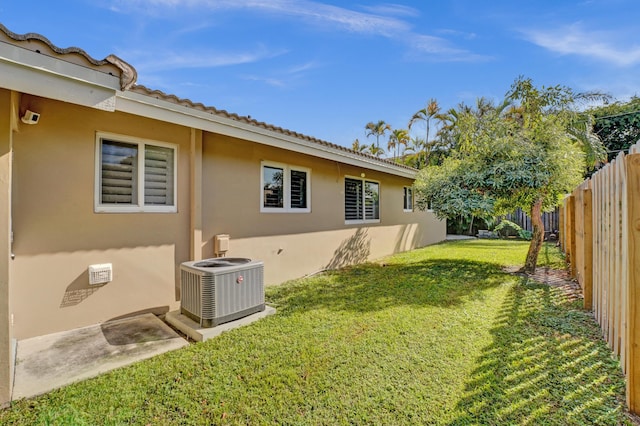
(439, 335)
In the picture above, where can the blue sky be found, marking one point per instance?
(326, 68)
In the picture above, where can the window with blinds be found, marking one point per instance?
(285, 188)
(408, 199)
(361, 200)
(371, 201)
(273, 187)
(353, 199)
(298, 189)
(134, 175)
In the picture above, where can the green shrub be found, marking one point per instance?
(507, 228)
(525, 235)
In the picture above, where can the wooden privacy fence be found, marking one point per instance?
(549, 219)
(600, 235)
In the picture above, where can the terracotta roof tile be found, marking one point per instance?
(222, 113)
(109, 65)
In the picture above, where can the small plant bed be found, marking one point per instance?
(441, 335)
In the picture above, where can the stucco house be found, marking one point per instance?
(95, 169)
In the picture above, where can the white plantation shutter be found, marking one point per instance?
(298, 189)
(352, 199)
(158, 175)
(119, 177)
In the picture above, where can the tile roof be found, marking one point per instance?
(108, 65)
(247, 119)
(128, 76)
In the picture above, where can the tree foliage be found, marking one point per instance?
(617, 125)
(517, 154)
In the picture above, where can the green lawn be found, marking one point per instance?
(434, 336)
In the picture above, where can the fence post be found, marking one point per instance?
(587, 267)
(571, 233)
(563, 232)
(633, 265)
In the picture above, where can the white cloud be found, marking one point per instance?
(165, 60)
(392, 9)
(575, 40)
(439, 49)
(270, 81)
(379, 20)
(286, 78)
(313, 11)
(302, 68)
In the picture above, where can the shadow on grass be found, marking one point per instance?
(373, 287)
(546, 365)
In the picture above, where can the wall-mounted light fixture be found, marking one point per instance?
(30, 117)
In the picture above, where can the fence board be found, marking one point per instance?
(587, 248)
(550, 220)
(633, 308)
(624, 283)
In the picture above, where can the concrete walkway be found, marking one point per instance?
(452, 237)
(48, 362)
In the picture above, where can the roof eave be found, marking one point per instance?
(160, 109)
(29, 72)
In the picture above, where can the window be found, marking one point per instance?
(408, 199)
(361, 200)
(134, 175)
(285, 188)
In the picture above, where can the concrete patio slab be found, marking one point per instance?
(48, 362)
(199, 334)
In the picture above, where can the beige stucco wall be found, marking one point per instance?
(6, 358)
(295, 244)
(57, 234)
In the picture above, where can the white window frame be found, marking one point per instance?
(364, 182)
(287, 169)
(140, 206)
(404, 199)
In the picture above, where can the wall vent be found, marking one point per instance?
(100, 274)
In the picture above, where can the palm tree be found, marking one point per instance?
(375, 150)
(398, 137)
(377, 129)
(448, 132)
(358, 147)
(414, 147)
(581, 131)
(425, 114)
(448, 136)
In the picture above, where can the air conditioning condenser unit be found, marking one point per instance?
(219, 290)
